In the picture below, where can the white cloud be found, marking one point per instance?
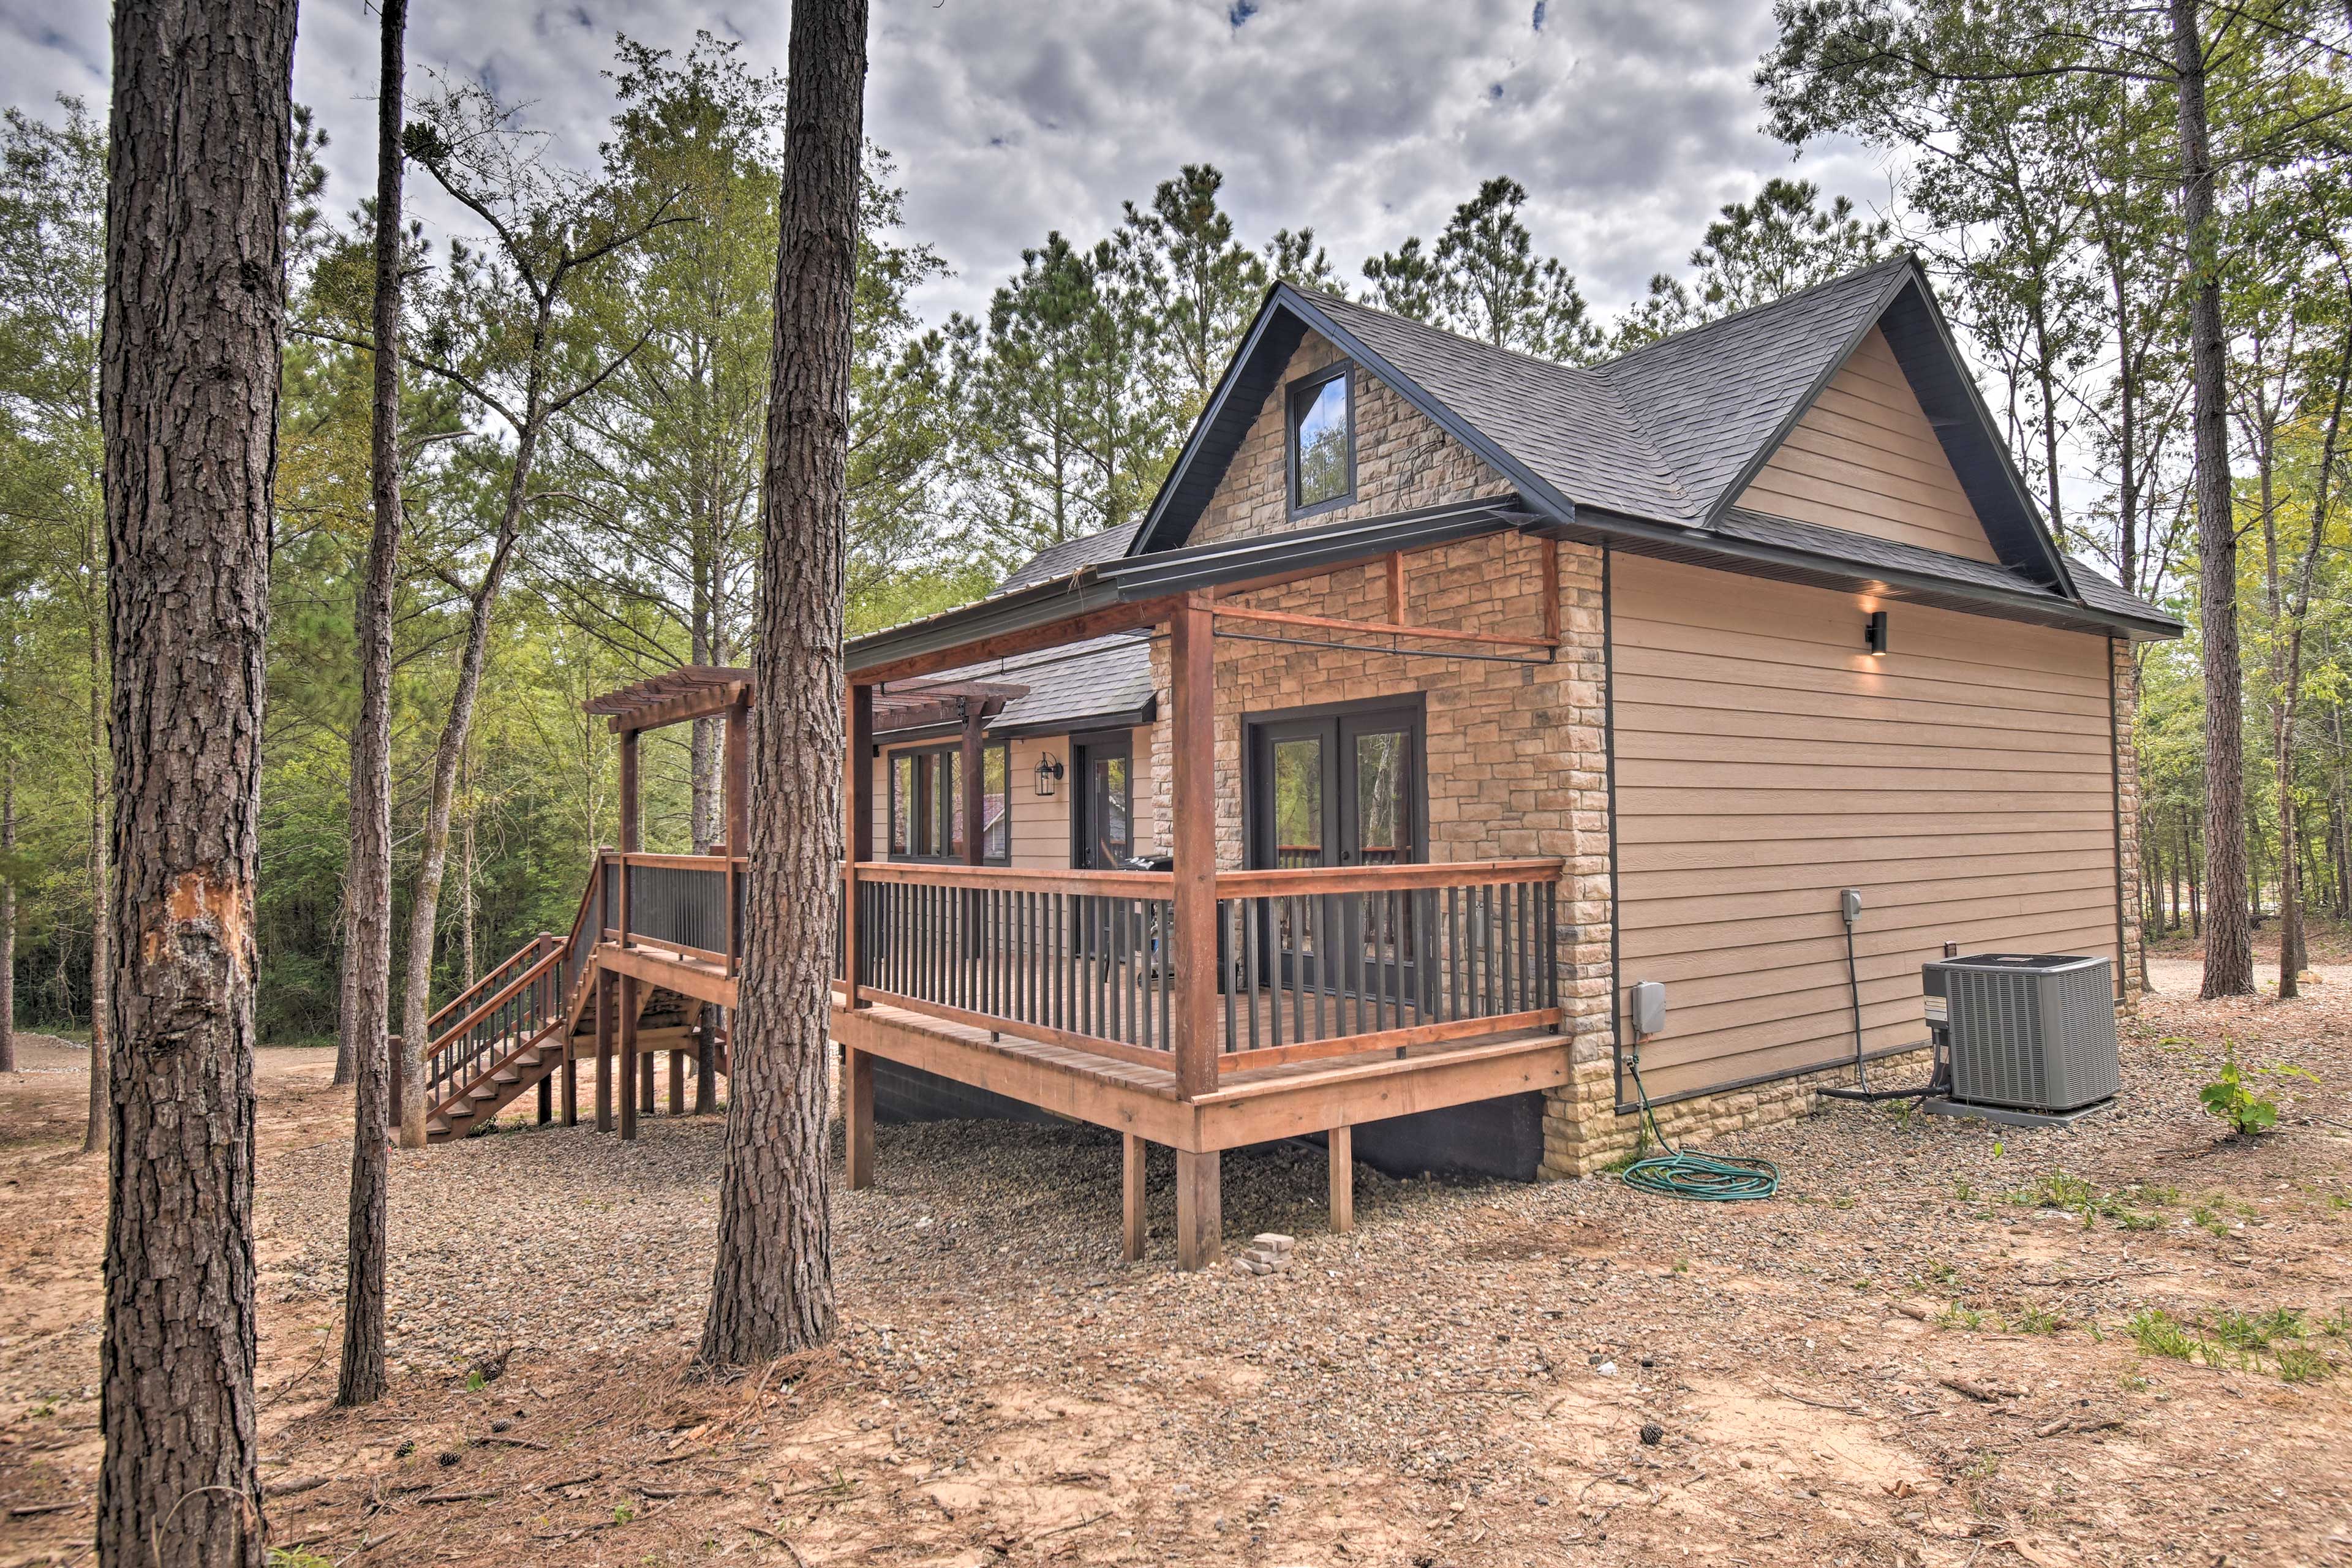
(1629, 122)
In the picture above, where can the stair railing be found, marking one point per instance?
(499, 1022)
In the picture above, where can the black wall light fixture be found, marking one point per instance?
(1873, 633)
(1049, 770)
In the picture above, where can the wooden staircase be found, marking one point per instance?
(514, 1030)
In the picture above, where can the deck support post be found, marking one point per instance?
(607, 1017)
(676, 1082)
(857, 835)
(546, 1100)
(1131, 1197)
(1200, 1217)
(1192, 816)
(1343, 1179)
(628, 1010)
(646, 1102)
(571, 1081)
(857, 1117)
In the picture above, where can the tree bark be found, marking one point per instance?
(198, 163)
(771, 1283)
(9, 917)
(360, 1380)
(2229, 929)
(102, 989)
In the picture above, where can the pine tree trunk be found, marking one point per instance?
(101, 986)
(199, 153)
(8, 920)
(771, 1283)
(361, 1379)
(2228, 933)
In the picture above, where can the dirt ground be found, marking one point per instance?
(1943, 1343)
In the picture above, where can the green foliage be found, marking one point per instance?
(2234, 1099)
(2156, 1333)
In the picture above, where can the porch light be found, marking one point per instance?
(1048, 771)
(1873, 633)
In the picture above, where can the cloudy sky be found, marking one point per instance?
(1629, 122)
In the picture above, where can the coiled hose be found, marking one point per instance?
(1702, 1178)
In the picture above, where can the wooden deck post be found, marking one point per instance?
(570, 1080)
(629, 845)
(857, 1117)
(1193, 816)
(628, 1010)
(1200, 1217)
(1131, 1197)
(646, 1104)
(1343, 1179)
(546, 1100)
(857, 831)
(677, 1081)
(607, 1012)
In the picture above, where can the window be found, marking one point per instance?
(927, 804)
(1323, 440)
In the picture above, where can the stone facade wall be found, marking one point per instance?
(2133, 980)
(1403, 460)
(1583, 1133)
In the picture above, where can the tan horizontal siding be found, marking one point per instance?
(1864, 459)
(1764, 760)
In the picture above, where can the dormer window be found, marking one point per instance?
(1322, 440)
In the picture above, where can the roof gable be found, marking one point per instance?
(1673, 433)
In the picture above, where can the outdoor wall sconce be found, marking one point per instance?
(1048, 771)
(1873, 633)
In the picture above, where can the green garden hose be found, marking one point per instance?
(1702, 1178)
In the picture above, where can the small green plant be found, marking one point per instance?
(623, 1513)
(2337, 1324)
(1964, 1192)
(298, 1557)
(2206, 1220)
(2337, 1202)
(2131, 1383)
(45, 1407)
(2039, 1320)
(1682, 1265)
(2301, 1363)
(2233, 1097)
(2157, 1332)
(474, 1381)
(1959, 1316)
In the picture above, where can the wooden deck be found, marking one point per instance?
(1251, 1106)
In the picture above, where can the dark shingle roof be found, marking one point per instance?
(1082, 686)
(1061, 560)
(1672, 432)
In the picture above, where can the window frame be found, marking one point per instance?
(1298, 395)
(942, 813)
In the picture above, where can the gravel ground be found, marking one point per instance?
(1909, 1358)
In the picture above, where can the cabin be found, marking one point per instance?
(1443, 695)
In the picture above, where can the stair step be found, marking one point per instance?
(505, 1076)
(456, 1111)
(481, 1092)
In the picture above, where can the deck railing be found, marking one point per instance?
(1312, 962)
(530, 994)
(691, 904)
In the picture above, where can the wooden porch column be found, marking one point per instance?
(1131, 1197)
(857, 1117)
(1343, 1178)
(645, 1083)
(629, 845)
(857, 832)
(1192, 819)
(676, 1082)
(974, 796)
(1200, 1217)
(1192, 813)
(738, 777)
(608, 1016)
(546, 1100)
(628, 1008)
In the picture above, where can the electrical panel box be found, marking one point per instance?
(2034, 1031)
(1649, 1008)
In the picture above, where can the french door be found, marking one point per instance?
(1339, 788)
